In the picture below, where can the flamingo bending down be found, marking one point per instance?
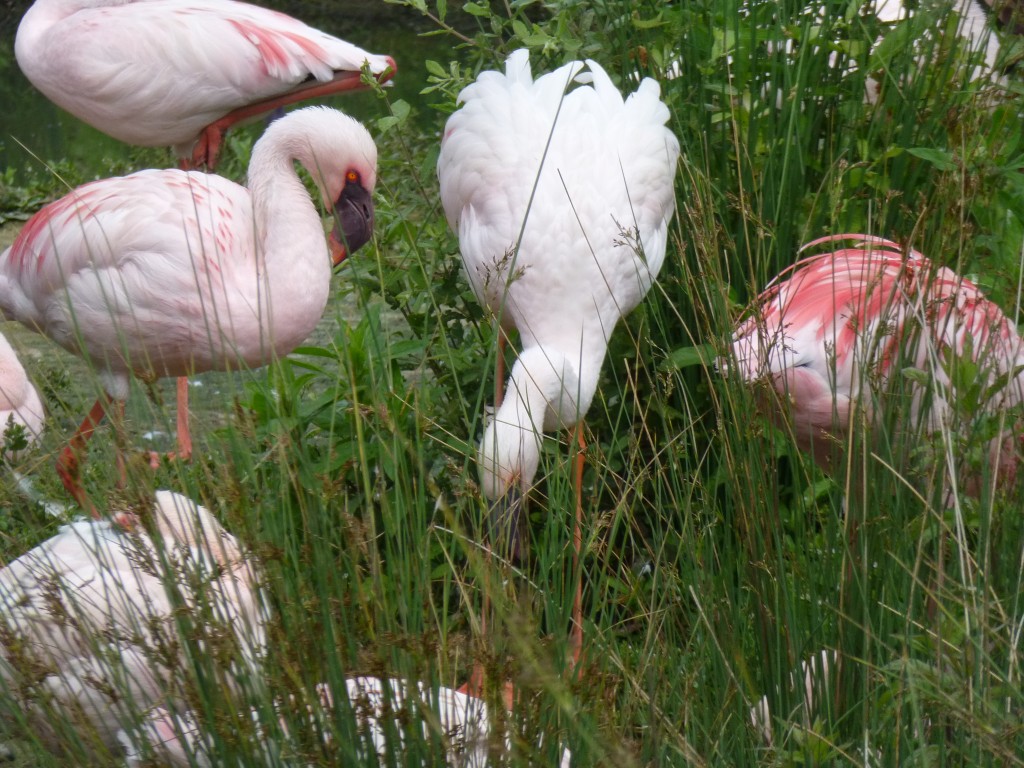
(829, 333)
(561, 194)
(20, 404)
(167, 273)
(379, 705)
(94, 620)
(180, 72)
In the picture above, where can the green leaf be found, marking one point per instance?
(941, 159)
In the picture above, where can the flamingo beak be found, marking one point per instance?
(353, 222)
(505, 515)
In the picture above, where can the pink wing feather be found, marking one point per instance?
(834, 324)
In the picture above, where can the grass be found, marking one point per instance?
(717, 557)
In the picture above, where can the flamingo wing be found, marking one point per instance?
(156, 73)
(152, 250)
(838, 322)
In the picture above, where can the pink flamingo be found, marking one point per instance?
(170, 272)
(179, 73)
(20, 404)
(827, 333)
(561, 193)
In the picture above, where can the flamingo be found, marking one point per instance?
(170, 272)
(973, 29)
(92, 619)
(561, 194)
(461, 721)
(20, 404)
(179, 73)
(831, 330)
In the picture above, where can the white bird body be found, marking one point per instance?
(561, 197)
(157, 72)
(91, 630)
(19, 400)
(379, 705)
(973, 28)
(829, 332)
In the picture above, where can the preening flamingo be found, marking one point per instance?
(19, 401)
(168, 273)
(380, 705)
(93, 619)
(179, 73)
(561, 194)
(828, 334)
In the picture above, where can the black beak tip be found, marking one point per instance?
(354, 222)
(505, 515)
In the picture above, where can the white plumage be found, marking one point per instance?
(561, 194)
(91, 619)
(380, 706)
(158, 72)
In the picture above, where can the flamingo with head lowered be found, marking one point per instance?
(170, 272)
(561, 194)
(179, 73)
(830, 332)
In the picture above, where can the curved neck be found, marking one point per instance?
(293, 265)
(544, 392)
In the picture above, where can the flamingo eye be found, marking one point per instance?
(352, 177)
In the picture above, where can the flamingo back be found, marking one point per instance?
(156, 73)
(833, 329)
(561, 193)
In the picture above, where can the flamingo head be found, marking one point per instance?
(353, 218)
(508, 458)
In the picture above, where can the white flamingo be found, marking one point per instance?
(561, 194)
(20, 404)
(178, 73)
(92, 619)
(168, 273)
(379, 705)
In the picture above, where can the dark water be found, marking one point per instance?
(34, 132)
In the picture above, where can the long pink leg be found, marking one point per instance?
(184, 432)
(475, 685)
(207, 149)
(576, 633)
(70, 459)
(184, 452)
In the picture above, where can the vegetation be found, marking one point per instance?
(717, 558)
